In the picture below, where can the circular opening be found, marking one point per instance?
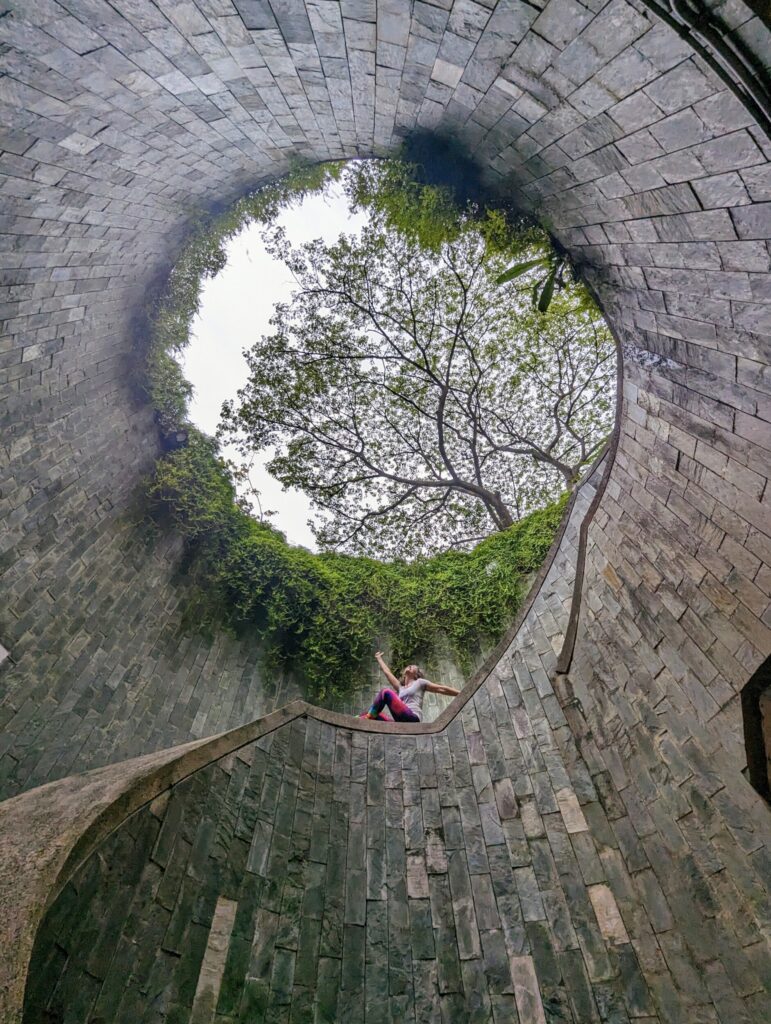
(435, 383)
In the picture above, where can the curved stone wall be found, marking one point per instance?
(321, 873)
(493, 871)
(125, 117)
(48, 833)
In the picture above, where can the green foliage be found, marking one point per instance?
(552, 266)
(427, 214)
(434, 190)
(322, 615)
(519, 269)
(431, 194)
(417, 403)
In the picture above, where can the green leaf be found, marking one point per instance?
(548, 292)
(521, 268)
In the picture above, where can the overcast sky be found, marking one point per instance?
(235, 309)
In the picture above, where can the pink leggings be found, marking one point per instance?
(399, 710)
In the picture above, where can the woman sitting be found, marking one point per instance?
(405, 701)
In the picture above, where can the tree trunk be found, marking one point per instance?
(499, 512)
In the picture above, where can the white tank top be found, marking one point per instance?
(412, 696)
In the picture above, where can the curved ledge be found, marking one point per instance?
(724, 51)
(565, 657)
(48, 832)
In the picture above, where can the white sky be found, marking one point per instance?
(235, 308)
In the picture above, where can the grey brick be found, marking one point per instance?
(680, 87)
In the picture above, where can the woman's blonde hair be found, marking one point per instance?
(416, 668)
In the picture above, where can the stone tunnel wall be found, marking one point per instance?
(496, 871)
(122, 119)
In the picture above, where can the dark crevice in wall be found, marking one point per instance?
(762, 8)
(757, 728)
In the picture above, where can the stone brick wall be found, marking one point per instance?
(497, 871)
(765, 719)
(324, 874)
(122, 119)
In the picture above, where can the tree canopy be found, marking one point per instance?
(420, 404)
(321, 615)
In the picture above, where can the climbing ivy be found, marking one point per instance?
(319, 614)
(433, 191)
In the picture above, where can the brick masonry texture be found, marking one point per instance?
(120, 120)
(494, 872)
(323, 874)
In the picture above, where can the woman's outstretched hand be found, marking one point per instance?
(386, 670)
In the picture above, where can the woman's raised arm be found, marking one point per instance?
(448, 691)
(386, 670)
